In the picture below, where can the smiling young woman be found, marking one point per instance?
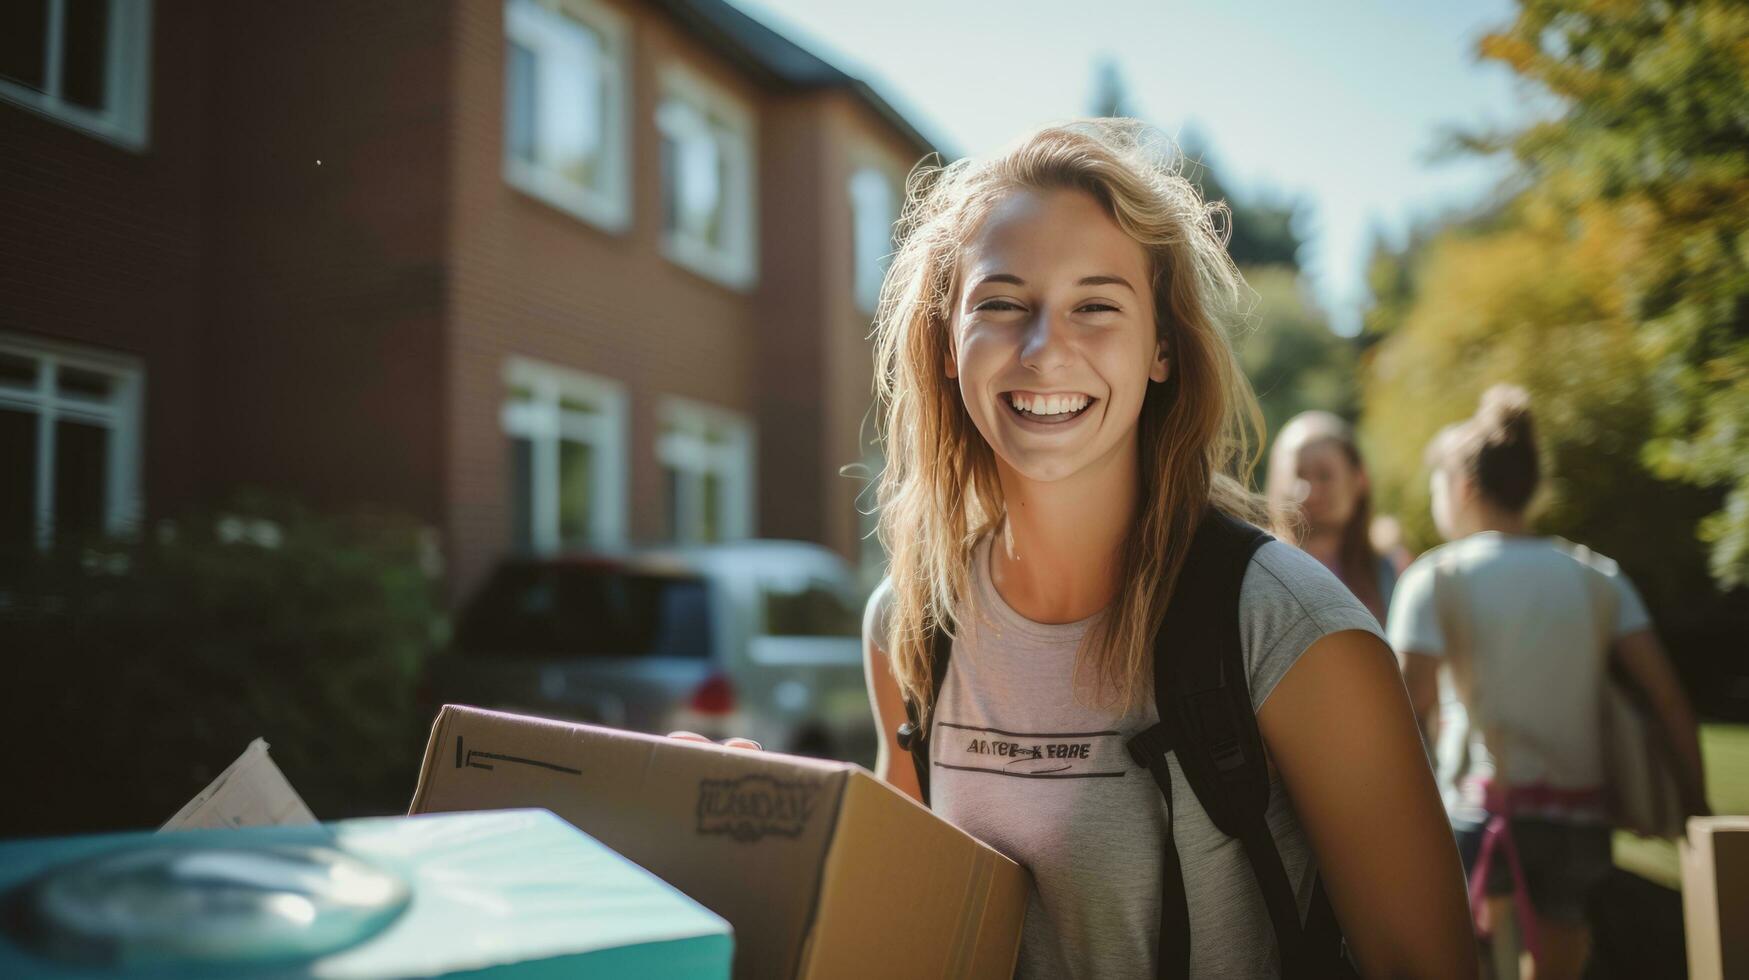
(1063, 414)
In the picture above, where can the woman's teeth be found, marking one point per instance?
(1047, 405)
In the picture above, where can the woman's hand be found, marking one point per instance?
(733, 743)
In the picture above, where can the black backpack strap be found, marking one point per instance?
(1324, 942)
(1204, 701)
(1149, 749)
(913, 734)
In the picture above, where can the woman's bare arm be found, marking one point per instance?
(1421, 678)
(892, 763)
(1340, 730)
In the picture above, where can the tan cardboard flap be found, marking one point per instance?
(956, 902)
(997, 946)
(1715, 896)
(743, 833)
(1731, 865)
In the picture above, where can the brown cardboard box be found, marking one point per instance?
(823, 870)
(1715, 896)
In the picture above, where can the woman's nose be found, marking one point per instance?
(1047, 344)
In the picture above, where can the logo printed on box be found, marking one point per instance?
(752, 807)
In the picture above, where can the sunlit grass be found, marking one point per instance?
(1725, 750)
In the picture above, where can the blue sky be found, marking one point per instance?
(1337, 103)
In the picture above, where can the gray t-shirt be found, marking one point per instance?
(1082, 816)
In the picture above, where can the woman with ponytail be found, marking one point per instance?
(1524, 630)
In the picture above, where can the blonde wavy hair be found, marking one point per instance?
(1200, 431)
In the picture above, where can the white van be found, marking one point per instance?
(756, 638)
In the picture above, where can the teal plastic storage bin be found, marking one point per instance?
(505, 895)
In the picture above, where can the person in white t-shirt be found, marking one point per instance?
(1536, 619)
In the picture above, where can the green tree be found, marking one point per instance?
(1539, 297)
(1111, 96)
(1655, 124)
(1289, 352)
(1262, 227)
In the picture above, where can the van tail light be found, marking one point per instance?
(714, 697)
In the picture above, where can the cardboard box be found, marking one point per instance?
(1715, 896)
(513, 893)
(824, 871)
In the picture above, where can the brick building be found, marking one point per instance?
(545, 274)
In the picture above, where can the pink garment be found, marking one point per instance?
(1502, 803)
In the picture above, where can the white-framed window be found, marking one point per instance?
(86, 63)
(70, 434)
(566, 138)
(707, 465)
(708, 193)
(874, 208)
(568, 464)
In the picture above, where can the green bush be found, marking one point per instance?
(141, 669)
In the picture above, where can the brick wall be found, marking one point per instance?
(101, 246)
(324, 271)
(324, 346)
(855, 137)
(530, 280)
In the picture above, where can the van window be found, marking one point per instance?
(813, 608)
(558, 611)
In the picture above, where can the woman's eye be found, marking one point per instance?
(1096, 308)
(998, 305)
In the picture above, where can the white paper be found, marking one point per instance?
(251, 792)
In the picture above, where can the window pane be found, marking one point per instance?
(693, 172)
(700, 190)
(520, 94)
(602, 95)
(81, 452)
(676, 507)
(522, 495)
(85, 52)
(872, 203)
(576, 497)
(17, 481)
(717, 226)
(571, 124)
(670, 184)
(572, 403)
(816, 610)
(23, 33)
(711, 488)
(17, 370)
(83, 384)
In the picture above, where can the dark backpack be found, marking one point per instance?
(1204, 701)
